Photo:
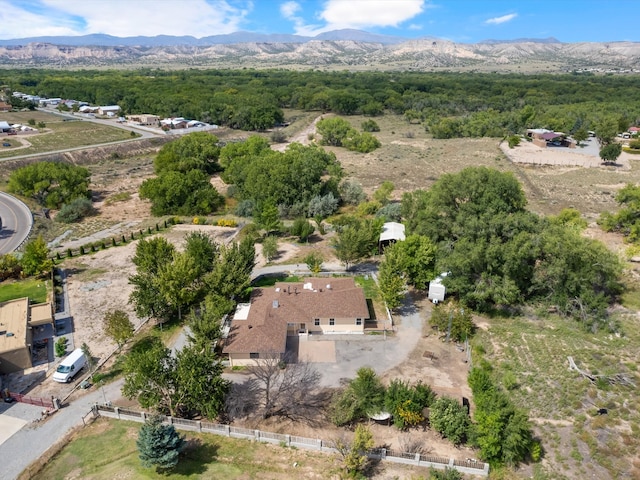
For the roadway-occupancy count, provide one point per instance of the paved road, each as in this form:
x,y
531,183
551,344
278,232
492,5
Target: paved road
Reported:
x,y
17,221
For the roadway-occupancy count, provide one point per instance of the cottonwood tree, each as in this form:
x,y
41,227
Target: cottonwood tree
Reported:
x,y
177,282
189,382
205,325
118,327
286,389
159,445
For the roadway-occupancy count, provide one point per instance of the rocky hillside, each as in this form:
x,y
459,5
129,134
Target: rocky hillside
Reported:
x,y
517,56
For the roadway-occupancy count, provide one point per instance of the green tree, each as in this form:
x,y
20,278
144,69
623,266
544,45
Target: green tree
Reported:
x,y
232,273
178,282
391,277
334,130
449,418
357,239
606,130
61,347
35,259
203,250
314,262
268,218
205,326
302,229
118,327
200,386
452,315
351,193
406,402
178,193
152,254
159,445
580,135
269,247
199,151
50,183
610,153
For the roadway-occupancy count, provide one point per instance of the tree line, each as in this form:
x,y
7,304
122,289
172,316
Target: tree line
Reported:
x,y
449,104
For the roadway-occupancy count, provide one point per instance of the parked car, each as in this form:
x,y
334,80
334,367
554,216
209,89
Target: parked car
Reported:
x,y
70,366
6,144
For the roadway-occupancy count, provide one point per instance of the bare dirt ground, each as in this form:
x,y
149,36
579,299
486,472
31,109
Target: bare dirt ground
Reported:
x,y
529,153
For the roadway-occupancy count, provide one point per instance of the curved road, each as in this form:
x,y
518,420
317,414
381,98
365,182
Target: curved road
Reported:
x,y
17,221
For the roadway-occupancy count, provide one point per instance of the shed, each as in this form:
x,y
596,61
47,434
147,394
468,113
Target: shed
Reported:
x,y
391,232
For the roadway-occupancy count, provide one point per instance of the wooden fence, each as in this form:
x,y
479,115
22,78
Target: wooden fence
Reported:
x,y
468,466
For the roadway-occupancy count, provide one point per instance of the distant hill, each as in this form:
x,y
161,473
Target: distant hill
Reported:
x,y
102,40
341,49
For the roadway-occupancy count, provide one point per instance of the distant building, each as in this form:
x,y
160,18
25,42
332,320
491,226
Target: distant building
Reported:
x,y
144,119
109,109
5,107
17,320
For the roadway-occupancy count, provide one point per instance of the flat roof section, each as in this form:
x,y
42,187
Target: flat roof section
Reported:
x,y
13,322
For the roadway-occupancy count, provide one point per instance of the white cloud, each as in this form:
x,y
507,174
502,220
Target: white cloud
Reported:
x,y
123,18
289,10
502,19
339,14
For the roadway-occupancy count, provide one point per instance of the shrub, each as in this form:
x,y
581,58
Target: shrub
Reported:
x,y
278,136
245,208
199,221
514,141
391,212
227,222
370,126
361,142
9,267
61,347
351,193
323,206
76,210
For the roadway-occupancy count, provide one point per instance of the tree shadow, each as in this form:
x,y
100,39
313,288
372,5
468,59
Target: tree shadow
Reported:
x,y
195,457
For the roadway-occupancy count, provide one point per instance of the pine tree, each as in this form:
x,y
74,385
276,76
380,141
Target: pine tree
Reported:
x,y
159,445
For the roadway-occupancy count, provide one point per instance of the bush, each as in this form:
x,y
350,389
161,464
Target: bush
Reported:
x,y
245,208
351,193
361,142
76,210
199,220
226,222
278,136
61,347
370,126
391,212
323,206
514,141
9,267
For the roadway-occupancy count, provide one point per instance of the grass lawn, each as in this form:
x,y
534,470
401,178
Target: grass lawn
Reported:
x,y
36,290
107,449
59,134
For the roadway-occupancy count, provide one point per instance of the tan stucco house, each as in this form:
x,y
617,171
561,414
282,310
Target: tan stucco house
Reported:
x,y
315,306
17,319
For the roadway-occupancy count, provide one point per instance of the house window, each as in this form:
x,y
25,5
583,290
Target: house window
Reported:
x,y
316,322
332,321
254,355
358,321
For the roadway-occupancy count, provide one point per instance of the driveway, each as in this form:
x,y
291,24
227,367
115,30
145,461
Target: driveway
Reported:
x,y
28,444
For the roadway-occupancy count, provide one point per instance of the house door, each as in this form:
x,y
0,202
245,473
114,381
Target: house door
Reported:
x,y
303,328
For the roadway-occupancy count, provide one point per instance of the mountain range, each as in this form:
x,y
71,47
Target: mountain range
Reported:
x,y
340,49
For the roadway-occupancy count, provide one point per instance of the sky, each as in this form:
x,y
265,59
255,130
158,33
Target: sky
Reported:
x,y
463,21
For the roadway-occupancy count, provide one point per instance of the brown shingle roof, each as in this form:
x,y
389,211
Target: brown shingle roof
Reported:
x,y
265,329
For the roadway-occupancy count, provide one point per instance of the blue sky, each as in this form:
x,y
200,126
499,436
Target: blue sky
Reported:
x,y
465,21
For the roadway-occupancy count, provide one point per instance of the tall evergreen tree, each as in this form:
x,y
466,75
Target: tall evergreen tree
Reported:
x,y
159,445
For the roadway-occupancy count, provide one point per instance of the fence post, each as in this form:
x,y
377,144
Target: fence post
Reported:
x,y
288,437
227,429
486,469
417,458
256,433
451,462
170,420
144,416
383,453
319,444
199,426
116,410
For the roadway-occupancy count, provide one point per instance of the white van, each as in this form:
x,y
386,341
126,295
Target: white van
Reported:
x,y
70,366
